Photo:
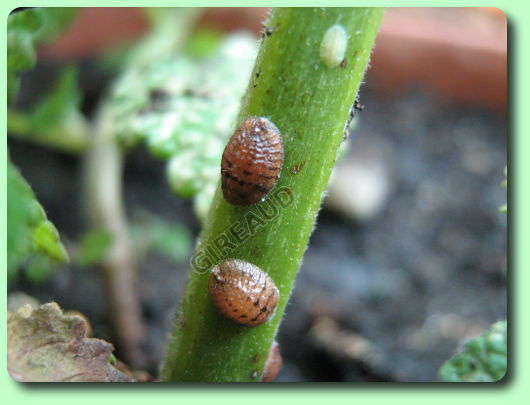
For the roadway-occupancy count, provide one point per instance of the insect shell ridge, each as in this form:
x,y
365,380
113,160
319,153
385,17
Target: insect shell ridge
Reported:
x,y
242,292
252,161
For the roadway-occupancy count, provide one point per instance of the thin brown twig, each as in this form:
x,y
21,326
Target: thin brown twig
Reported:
x,y
103,186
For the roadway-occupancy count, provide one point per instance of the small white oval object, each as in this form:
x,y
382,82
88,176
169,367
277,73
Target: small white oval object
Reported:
x,y
333,46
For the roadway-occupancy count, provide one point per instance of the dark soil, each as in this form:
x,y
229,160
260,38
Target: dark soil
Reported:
x,y
413,283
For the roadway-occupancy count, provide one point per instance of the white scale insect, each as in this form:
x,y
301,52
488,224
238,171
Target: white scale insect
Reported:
x,y
333,46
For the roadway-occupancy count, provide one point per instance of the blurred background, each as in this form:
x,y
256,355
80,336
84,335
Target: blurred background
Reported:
x,y
408,259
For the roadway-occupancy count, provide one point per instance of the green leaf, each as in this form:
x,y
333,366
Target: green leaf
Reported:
x,y
28,230
56,120
56,20
46,240
22,28
483,359
27,28
63,100
21,215
93,247
31,20
184,109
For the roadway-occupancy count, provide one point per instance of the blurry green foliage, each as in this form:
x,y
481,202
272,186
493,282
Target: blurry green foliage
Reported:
x,y
93,247
170,30
184,109
62,103
483,359
46,240
203,43
151,233
29,233
25,29
168,33
179,93
56,119
39,268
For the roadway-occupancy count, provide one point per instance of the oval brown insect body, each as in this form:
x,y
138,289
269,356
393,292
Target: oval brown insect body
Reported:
x,y
242,292
252,162
273,364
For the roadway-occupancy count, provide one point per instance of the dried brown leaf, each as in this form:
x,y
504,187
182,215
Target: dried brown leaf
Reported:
x,y
44,345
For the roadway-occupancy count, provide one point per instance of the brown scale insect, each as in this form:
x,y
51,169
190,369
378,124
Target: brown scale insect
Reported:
x,y
242,292
273,364
252,162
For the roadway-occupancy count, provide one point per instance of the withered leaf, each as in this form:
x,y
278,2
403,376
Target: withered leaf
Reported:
x,y
44,345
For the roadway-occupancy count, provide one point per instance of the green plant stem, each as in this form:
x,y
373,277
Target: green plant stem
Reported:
x,y
310,103
75,141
